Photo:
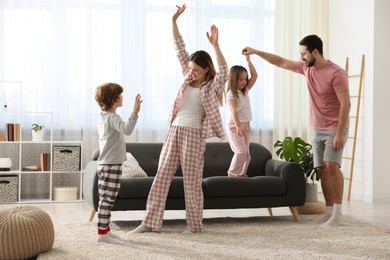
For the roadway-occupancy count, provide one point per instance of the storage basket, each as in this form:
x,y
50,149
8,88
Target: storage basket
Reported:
x,y
8,188
66,158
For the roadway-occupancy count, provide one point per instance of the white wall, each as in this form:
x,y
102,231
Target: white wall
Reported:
x,y
381,104
358,27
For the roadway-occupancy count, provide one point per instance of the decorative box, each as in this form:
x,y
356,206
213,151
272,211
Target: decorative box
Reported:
x,y
64,193
66,158
8,188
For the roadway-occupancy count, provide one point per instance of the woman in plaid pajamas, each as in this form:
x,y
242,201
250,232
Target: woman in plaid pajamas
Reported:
x,y
194,117
111,130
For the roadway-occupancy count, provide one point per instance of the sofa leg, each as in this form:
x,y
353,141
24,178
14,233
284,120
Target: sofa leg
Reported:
x,y
91,215
295,214
270,212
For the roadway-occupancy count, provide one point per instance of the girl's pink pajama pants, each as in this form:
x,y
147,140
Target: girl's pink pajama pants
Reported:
x,y
240,148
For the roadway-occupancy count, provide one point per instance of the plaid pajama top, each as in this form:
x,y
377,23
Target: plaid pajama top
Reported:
x,y
209,93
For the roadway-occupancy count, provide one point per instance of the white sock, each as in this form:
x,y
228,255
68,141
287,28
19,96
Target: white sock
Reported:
x,y
335,218
106,239
326,216
141,229
115,236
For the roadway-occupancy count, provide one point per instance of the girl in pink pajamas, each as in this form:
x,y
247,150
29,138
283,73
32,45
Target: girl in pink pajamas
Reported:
x,y
194,117
239,116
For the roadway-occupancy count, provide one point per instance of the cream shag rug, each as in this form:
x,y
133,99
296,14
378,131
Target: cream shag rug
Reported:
x,y
277,237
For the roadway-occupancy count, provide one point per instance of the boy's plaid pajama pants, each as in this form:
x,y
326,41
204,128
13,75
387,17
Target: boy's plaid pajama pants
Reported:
x,y
109,181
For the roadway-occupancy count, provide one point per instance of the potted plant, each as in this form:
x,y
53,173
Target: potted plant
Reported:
x,y
37,132
299,151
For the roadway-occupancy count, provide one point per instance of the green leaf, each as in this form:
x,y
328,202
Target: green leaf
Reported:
x,y
296,150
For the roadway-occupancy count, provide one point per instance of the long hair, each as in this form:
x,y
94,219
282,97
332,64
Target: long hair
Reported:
x,y
203,59
234,78
107,94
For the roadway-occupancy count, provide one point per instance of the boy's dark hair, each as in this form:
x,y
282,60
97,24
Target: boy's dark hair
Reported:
x,y
312,42
203,59
106,95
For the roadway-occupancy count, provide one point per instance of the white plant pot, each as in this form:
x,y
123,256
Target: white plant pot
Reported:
x,y
312,205
311,192
37,136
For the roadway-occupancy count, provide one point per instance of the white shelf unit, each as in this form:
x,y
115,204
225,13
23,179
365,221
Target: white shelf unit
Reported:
x,y
36,186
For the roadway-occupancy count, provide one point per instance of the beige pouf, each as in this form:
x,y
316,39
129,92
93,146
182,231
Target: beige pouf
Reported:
x,y
25,232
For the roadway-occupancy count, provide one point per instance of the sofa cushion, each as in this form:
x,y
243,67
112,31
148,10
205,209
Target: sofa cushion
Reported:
x,y
139,188
131,168
148,155
221,186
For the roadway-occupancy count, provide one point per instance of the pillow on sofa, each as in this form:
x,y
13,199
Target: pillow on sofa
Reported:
x,y
131,168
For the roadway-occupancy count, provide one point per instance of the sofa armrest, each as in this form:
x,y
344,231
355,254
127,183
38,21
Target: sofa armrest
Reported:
x,y
90,184
292,173
277,168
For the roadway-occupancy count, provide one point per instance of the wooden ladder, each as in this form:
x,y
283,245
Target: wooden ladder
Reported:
x,y
356,117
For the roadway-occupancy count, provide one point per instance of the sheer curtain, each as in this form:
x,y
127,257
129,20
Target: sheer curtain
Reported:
x,y
295,20
62,49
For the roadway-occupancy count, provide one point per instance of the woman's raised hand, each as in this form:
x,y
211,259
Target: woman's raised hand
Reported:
x,y
179,11
213,35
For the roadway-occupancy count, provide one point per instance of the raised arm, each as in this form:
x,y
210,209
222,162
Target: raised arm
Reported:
x,y
175,28
271,58
181,52
253,72
213,39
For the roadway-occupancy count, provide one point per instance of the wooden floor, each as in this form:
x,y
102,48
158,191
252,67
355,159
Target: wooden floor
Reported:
x,y
375,213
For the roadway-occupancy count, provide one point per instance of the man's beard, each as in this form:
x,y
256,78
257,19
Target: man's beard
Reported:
x,y
311,63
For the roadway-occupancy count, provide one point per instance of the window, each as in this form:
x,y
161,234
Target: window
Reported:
x,y
62,49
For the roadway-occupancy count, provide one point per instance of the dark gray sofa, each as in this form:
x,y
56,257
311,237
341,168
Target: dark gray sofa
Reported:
x,y
270,183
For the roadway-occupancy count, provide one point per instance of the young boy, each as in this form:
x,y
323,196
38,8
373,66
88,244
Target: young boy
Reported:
x,y
111,130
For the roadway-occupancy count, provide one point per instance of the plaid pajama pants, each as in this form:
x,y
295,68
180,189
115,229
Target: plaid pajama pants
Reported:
x,y
109,182
183,146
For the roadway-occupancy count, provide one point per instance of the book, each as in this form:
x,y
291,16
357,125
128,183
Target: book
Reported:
x,y
31,168
16,130
43,161
45,164
10,131
2,137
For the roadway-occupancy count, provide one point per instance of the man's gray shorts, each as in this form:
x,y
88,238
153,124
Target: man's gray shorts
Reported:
x,y
322,141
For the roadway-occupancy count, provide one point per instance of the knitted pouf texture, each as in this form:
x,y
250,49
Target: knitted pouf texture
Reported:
x,y
25,232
